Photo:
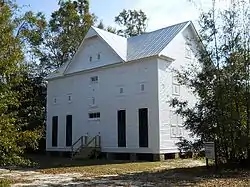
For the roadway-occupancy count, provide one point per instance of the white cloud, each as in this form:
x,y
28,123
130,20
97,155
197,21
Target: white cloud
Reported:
x,y
162,13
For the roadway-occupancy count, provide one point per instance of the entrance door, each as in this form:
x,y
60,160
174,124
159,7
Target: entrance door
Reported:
x,y
68,130
121,121
143,127
54,131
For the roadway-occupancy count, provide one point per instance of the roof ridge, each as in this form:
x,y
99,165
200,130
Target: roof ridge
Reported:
x,y
103,30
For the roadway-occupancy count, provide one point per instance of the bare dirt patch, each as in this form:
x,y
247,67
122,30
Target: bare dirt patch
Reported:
x,y
187,172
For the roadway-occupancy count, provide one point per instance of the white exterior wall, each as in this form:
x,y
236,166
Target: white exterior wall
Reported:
x,y
91,47
171,125
108,101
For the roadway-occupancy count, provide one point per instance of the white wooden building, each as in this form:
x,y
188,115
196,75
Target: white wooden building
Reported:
x,y
120,89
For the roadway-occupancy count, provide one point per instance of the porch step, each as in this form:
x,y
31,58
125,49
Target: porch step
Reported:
x,y
86,152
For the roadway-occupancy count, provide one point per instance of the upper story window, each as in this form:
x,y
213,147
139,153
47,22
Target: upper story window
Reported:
x,y
175,78
121,90
93,101
94,79
55,100
142,87
176,89
90,58
69,98
188,52
98,56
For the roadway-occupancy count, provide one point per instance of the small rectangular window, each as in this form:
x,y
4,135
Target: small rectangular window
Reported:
x,y
98,56
142,87
55,101
175,78
94,79
180,133
69,98
173,131
176,89
121,90
187,52
95,115
90,58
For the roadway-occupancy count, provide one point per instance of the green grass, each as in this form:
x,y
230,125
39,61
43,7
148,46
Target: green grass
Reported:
x,y
5,182
114,168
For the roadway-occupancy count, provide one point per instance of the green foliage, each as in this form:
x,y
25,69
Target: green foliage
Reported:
x,y
221,83
133,22
32,98
63,35
189,146
5,182
13,138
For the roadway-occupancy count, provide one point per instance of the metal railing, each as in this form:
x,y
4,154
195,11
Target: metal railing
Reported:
x,y
95,142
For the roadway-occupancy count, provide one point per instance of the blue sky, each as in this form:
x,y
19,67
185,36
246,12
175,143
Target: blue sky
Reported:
x,y
161,13
105,10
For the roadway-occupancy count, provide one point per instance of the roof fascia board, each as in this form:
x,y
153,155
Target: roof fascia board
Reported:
x,y
101,67
164,57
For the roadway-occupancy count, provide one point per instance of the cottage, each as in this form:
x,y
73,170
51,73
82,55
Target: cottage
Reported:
x,y
116,91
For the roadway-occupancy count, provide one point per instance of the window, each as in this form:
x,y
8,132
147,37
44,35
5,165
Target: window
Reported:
x,y
181,132
98,56
95,115
93,101
121,90
187,51
173,131
142,87
94,79
176,89
175,78
69,98
54,131
90,58
55,101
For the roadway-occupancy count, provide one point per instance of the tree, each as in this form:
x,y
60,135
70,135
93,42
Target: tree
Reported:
x,y
66,29
133,23
13,139
108,28
221,82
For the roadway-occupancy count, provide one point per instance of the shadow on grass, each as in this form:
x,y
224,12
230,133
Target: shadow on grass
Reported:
x,y
48,162
177,177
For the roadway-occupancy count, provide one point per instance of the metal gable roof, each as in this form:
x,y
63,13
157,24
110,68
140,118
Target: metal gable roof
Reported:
x,y
145,45
118,43
150,44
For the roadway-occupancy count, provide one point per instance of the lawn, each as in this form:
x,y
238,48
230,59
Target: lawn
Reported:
x,y
176,172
